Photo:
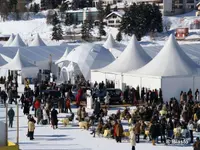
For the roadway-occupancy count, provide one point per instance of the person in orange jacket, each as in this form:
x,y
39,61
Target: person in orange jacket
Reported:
x,y
36,105
68,105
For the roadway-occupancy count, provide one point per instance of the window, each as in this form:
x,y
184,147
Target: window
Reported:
x,y
114,16
111,21
118,21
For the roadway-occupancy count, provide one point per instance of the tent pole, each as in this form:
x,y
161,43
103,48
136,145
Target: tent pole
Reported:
x,y
17,124
6,124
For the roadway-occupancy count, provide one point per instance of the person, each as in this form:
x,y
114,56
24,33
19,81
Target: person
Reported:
x,y
132,138
196,145
119,131
107,99
36,105
31,128
39,115
11,115
153,132
97,107
68,105
137,131
190,128
45,117
54,118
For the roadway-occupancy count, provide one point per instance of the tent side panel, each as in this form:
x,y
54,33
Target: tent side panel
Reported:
x,y
151,82
132,81
98,76
172,87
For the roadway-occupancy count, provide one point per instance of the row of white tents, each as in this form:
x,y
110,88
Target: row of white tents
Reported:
x,y
16,41
171,69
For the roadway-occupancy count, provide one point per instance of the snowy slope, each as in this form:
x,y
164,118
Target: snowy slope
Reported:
x,y
71,138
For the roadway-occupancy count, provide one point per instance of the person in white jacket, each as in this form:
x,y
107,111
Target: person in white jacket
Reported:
x,y
190,128
107,99
132,138
45,116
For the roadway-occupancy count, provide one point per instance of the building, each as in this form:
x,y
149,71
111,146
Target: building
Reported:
x,y
82,14
167,7
114,18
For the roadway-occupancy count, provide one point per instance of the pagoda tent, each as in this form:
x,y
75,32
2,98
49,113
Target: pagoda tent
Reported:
x,y
37,41
113,46
89,56
20,65
10,40
171,70
17,42
132,58
60,61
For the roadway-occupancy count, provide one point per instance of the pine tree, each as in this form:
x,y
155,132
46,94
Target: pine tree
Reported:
x,y
100,18
107,10
90,20
85,31
31,8
13,5
115,9
57,33
55,20
36,8
68,19
43,4
119,36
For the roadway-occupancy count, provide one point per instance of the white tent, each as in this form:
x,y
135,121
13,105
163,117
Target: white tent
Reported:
x,y
10,40
114,47
60,61
90,56
37,41
19,63
17,42
132,58
171,69
7,59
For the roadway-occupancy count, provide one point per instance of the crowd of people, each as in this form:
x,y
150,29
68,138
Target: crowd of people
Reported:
x,y
153,119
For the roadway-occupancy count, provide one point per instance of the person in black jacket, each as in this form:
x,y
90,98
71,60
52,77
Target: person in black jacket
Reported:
x,y
54,118
153,132
163,129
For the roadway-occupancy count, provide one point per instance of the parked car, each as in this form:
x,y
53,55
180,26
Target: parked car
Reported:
x,y
116,95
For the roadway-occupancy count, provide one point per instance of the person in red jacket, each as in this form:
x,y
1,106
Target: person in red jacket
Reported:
x,y
78,97
36,105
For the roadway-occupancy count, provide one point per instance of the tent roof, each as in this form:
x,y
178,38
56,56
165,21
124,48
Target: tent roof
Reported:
x,y
2,61
110,42
64,57
18,63
132,58
170,61
17,42
37,41
10,40
90,56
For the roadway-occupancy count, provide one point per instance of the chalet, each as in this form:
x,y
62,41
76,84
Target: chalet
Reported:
x,y
114,18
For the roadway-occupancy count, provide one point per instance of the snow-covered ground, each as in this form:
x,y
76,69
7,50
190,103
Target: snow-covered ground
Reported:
x,y
71,138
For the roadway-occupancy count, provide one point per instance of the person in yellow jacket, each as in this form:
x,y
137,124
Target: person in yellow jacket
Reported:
x,y
31,128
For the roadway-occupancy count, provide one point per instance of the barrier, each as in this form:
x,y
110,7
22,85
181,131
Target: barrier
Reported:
x,y
11,146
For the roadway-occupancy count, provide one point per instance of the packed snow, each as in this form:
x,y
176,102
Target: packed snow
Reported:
x,y
71,137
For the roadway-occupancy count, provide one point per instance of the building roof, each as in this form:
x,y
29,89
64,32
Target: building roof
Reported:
x,y
170,61
118,13
132,58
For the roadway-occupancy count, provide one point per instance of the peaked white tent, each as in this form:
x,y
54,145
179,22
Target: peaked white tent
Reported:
x,y
17,42
6,58
90,56
114,47
60,61
171,70
21,65
37,41
10,40
132,58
